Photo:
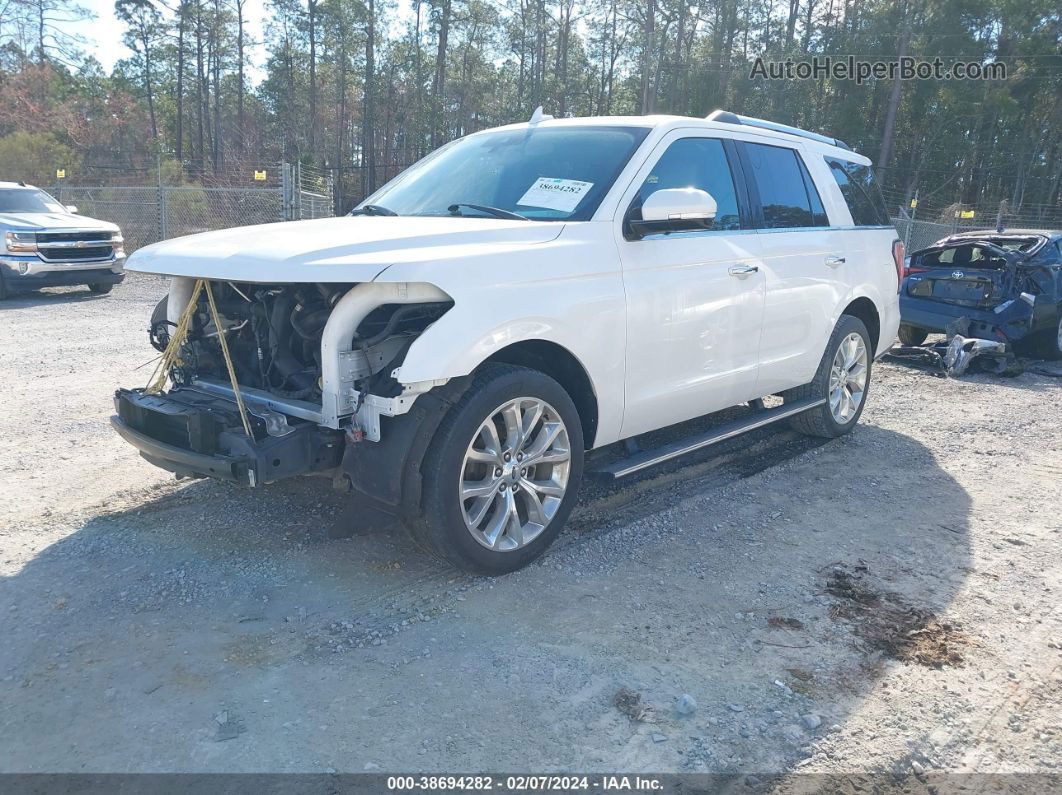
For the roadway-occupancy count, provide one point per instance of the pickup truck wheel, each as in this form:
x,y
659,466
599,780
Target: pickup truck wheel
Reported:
x,y
502,471
843,379
101,289
912,335
3,288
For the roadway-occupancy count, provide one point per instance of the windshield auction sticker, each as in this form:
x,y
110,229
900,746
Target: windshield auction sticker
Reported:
x,y
555,194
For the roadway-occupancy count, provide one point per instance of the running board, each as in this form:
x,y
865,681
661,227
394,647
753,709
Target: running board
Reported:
x,y
648,458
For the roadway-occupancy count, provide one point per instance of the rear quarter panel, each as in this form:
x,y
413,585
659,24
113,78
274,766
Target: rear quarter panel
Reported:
x,y
869,271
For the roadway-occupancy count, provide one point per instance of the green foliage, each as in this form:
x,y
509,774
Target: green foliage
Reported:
x,y
444,68
34,158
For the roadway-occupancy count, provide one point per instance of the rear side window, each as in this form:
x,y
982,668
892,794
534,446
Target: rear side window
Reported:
x,y
695,163
787,194
860,191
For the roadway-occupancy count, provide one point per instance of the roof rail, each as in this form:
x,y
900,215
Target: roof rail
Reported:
x,y
726,117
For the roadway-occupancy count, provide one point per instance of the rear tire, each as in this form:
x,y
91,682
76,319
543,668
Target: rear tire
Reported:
x,y
830,420
101,289
497,493
912,335
3,288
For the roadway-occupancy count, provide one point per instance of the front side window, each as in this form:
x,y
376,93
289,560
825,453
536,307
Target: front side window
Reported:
x,y
542,173
28,200
695,163
861,192
787,194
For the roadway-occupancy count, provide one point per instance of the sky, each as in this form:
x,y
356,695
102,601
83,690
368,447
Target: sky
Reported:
x,y
103,34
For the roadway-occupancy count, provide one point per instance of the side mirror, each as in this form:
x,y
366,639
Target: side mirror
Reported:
x,y
674,210
71,208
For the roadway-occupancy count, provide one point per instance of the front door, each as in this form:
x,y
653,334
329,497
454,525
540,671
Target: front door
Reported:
x,y
694,298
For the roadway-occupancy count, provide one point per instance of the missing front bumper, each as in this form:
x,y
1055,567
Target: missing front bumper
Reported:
x,y
195,434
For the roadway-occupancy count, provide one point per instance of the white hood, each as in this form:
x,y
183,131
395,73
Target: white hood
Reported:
x,y
344,249
53,221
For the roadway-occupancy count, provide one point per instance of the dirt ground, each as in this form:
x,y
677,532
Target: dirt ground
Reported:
x,y
883,603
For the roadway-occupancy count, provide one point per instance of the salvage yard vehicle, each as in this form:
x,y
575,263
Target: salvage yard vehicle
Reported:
x,y
1005,287
452,349
46,244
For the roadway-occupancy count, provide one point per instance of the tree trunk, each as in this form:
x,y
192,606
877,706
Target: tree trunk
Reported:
x,y
894,100
648,47
368,145
240,89
179,132
312,19
438,85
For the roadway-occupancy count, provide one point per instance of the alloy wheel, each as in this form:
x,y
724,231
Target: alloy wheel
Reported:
x,y
515,474
848,378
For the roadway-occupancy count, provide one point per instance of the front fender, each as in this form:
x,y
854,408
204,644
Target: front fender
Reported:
x,y
585,316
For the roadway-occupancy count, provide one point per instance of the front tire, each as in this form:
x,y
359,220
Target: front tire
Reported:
x,y
101,289
502,471
843,379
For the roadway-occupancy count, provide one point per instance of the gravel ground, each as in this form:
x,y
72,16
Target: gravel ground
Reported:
x,y
883,603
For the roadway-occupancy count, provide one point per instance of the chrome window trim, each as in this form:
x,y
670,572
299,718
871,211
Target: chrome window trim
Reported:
x,y
766,231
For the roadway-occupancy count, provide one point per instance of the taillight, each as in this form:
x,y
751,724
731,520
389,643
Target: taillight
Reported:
x,y
897,258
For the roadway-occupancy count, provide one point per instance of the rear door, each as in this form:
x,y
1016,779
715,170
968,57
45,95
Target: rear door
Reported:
x,y
804,262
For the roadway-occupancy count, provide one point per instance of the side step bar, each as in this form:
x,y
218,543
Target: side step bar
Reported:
x,y
648,458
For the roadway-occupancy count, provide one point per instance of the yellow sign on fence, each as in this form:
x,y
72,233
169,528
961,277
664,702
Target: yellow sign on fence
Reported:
x,y
914,203
260,176
60,173
965,214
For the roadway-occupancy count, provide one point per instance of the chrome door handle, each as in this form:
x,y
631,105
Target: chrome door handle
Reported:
x,y
833,260
742,270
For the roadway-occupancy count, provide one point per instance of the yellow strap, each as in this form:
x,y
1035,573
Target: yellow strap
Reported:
x,y
228,361
180,333
171,355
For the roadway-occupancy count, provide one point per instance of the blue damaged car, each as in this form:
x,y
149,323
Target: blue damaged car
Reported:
x,y
1000,286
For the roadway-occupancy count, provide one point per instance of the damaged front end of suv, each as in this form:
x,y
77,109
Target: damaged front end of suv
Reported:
x,y
990,293
305,380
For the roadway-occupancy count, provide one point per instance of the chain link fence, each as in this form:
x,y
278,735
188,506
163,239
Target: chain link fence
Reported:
x,y
147,214
921,223
150,214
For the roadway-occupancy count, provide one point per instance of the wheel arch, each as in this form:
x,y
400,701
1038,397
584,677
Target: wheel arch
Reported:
x,y
865,309
562,366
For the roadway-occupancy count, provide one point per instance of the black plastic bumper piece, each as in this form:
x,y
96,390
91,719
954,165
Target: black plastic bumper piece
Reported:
x,y
186,462
194,434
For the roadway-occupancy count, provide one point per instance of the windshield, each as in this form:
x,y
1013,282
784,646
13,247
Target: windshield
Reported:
x,y
547,174
28,200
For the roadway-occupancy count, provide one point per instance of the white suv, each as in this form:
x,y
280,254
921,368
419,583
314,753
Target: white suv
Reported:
x,y
451,350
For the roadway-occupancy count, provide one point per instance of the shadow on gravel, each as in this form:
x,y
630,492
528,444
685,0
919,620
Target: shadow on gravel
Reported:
x,y
50,296
217,629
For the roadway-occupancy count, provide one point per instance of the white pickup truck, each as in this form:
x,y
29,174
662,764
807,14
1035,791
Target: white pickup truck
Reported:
x,y
46,244
452,349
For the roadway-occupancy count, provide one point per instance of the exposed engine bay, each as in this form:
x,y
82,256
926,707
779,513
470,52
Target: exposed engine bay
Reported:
x,y
303,384
274,337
